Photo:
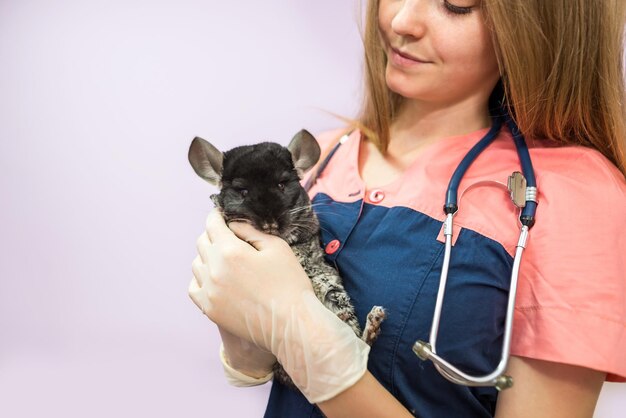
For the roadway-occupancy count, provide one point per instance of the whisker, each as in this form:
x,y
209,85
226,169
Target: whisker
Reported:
x,y
305,207
334,202
294,212
300,209
345,215
304,222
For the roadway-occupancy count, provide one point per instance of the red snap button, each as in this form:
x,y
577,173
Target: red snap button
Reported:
x,y
332,246
377,196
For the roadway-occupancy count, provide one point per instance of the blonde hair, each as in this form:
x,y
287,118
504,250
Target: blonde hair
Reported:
x,y
561,63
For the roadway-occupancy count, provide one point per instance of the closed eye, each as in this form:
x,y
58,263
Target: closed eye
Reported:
x,y
457,10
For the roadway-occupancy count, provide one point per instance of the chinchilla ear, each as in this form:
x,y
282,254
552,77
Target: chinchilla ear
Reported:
x,y
206,160
304,151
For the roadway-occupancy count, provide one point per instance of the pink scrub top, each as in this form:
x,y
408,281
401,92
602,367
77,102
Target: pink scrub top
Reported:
x,y
387,244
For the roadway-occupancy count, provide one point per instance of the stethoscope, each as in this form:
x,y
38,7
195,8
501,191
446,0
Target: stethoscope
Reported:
x,y
523,190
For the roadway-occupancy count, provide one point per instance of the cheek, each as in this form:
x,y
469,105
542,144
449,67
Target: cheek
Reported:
x,y
386,13
289,199
471,67
474,57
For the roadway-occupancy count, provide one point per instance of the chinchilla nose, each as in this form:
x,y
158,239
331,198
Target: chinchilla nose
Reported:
x,y
270,227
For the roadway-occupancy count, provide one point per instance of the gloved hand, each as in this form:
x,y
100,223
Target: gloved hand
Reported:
x,y
236,353
244,363
251,285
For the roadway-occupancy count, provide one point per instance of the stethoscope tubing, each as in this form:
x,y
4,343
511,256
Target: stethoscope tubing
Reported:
x,y
527,216
428,350
451,205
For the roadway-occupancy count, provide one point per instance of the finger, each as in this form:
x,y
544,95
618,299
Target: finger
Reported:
x,y
203,245
194,292
194,288
193,285
216,227
207,236
199,270
251,235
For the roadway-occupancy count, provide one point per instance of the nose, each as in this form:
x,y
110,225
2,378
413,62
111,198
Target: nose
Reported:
x,y
411,18
270,227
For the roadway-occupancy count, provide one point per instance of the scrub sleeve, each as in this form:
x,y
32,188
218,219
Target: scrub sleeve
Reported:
x,y
571,305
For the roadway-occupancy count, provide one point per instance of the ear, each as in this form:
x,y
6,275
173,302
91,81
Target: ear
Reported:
x,y
304,151
206,160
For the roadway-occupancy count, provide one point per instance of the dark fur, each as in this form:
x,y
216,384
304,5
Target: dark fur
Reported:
x,y
260,184
260,169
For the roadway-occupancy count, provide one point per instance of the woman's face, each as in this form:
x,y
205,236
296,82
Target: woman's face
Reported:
x,y
438,51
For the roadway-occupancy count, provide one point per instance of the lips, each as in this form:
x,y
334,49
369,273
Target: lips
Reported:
x,y
408,56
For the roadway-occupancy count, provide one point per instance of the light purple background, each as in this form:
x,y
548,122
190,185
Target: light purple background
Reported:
x,y
100,209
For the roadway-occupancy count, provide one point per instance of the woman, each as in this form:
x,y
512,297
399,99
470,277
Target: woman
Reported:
x,y
432,67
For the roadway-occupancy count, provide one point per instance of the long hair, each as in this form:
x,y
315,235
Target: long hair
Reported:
x,y
561,66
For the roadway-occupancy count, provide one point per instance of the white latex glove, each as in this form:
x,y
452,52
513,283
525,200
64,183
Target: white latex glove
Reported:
x,y
239,356
255,288
244,363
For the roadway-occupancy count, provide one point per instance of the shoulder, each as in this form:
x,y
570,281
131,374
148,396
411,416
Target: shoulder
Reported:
x,y
327,141
579,189
572,172
573,277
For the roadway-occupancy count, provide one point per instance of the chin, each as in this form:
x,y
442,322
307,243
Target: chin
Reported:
x,y
410,86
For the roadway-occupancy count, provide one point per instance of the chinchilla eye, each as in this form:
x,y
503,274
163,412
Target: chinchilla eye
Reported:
x,y
243,192
281,186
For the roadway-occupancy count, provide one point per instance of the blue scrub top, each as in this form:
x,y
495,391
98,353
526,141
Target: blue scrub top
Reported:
x,y
390,257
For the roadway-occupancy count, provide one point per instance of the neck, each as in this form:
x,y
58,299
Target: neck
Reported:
x,y
418,123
